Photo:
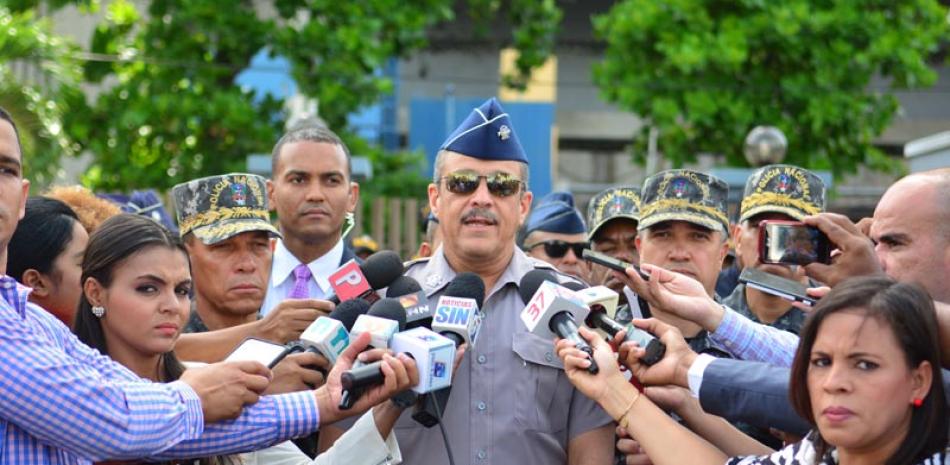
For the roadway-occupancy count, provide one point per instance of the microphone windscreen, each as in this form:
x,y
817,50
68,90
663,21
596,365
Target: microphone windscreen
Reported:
x,y
403,285
389,308
382,268
531,281
467,285
348,311
574,286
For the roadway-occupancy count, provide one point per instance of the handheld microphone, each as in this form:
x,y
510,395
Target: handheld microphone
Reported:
x,y
601,299
355,281
458,317
385,318
457,313
413,300
553,310
403,285
433,354
328,335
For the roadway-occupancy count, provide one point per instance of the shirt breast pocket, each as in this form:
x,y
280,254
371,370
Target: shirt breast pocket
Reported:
x,y
542,391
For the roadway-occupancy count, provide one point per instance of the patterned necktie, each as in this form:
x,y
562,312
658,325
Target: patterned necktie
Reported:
x,y
301,288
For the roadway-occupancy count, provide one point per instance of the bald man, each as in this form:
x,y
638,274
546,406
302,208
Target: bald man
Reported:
x,y
911,231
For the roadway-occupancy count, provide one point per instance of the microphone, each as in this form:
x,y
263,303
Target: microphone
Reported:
x,y
414,301
385,318
432,352
355,281
603,306
328,335
457,316
403,285
552,310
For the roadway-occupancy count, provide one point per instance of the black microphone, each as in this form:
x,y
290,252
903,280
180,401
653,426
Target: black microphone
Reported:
x,y
329,335
414,301
458,317
348,311
403,285
385,318
458,311
599,319
551,309
355,281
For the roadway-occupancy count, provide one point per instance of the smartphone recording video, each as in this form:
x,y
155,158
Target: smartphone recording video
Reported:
x,y
792,243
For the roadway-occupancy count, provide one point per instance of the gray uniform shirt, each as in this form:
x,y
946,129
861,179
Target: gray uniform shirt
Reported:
x,y
511,402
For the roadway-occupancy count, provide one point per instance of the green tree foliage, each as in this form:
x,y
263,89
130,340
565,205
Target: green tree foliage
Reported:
x,y
38,79
171,110
705,72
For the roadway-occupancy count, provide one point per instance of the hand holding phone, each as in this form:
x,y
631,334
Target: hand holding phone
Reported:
x,y
792,243
776,285
611,262
258,350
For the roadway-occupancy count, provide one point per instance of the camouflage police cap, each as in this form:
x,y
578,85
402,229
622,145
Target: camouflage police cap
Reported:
x,y
684,195
612,203
219,207
786,189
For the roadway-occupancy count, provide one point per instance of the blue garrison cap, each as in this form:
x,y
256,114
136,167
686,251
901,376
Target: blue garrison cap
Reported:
x,y
487,134
146,203
555,213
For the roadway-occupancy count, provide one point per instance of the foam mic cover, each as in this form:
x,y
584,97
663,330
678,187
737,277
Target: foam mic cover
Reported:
x,y
467,285
457,314
403,285
382,268
355,281
348,311
531,281
414,301
390,309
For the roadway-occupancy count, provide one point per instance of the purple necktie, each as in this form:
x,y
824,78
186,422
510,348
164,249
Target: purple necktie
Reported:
x,y
301,288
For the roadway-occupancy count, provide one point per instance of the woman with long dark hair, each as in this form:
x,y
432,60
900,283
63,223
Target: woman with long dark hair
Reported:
x,y
136,282
866,375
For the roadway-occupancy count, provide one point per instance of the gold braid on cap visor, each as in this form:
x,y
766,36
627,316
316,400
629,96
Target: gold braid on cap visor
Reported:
x,y
773,199
212,216
670,204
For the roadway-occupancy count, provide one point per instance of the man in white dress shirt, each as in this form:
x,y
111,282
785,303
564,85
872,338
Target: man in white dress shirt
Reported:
x,y
313,193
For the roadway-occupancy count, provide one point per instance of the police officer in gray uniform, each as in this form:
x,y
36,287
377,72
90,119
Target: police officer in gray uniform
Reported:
x,y
511,402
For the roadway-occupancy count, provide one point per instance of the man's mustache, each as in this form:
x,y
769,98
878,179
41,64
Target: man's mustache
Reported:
x,y
481,213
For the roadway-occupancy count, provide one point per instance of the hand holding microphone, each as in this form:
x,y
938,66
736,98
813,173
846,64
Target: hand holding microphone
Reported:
x,y
457,316
672,368
553,310
399,373
355,281
603,305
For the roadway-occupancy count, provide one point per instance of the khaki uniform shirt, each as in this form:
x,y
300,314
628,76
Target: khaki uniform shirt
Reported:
x,y
511,402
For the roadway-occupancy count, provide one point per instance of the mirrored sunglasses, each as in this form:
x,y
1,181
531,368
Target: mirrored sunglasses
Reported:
x,y
465,182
